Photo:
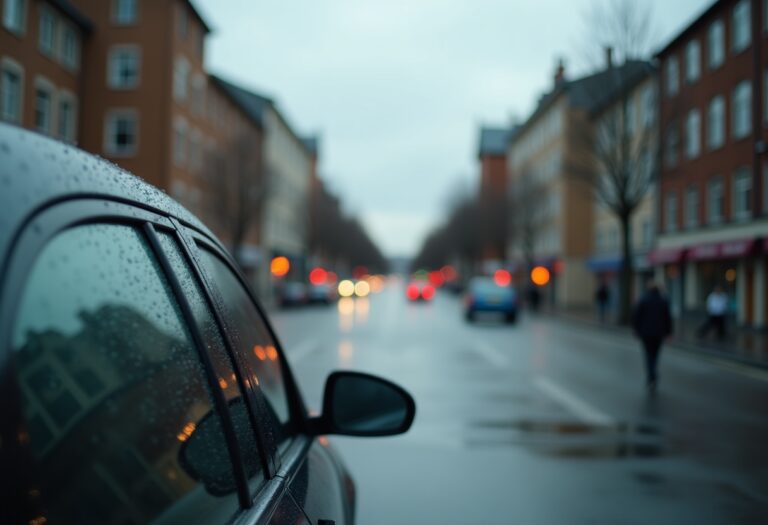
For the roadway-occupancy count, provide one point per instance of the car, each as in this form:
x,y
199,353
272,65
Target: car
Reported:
x,y
140,379
419,290
292,293
321,294
485,294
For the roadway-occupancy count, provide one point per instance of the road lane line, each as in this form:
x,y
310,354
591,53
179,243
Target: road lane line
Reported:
x,y
491,353
572,403
303,349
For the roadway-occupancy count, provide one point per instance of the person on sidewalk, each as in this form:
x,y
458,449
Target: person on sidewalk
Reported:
x,y
602,298
652,323
717,308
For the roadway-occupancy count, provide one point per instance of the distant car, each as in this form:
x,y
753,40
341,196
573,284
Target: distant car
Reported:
x,y
321,294
484,294
292,293
419,290
140,379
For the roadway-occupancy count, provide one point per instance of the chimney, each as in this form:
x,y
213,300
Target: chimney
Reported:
x,y
559,72
608,57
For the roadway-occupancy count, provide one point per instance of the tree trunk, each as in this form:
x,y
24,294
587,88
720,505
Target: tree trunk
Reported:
x,y
626,272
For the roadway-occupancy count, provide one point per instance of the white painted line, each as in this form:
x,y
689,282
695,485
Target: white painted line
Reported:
x,y
490,353
572,403
302,350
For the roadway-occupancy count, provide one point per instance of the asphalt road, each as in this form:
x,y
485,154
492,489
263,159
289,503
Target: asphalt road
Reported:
x,y
540,422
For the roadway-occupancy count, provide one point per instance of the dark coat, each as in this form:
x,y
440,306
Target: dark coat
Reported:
x,y
652,318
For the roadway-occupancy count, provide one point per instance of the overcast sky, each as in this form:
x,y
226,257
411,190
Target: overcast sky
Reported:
x,y
397,89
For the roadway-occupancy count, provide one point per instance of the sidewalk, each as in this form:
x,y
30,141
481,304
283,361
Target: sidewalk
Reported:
x,y
745,346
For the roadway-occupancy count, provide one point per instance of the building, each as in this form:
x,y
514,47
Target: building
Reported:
x,y
492,194
714,176
553,204
41,66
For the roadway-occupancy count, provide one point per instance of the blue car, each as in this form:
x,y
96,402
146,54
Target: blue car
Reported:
x,y
484,294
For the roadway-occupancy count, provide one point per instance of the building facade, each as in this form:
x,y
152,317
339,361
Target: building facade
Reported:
x,y
713,207
493,193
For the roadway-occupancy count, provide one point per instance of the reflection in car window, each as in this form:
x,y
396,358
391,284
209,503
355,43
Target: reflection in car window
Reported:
x,y
113,387
254,340
219,359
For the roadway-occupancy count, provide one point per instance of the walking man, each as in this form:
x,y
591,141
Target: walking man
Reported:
x,y
717,308
602,297
652,322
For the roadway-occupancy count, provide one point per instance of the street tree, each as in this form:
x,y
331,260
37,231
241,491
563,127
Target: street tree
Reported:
x,y
529,213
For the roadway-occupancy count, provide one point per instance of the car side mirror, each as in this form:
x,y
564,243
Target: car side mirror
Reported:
x,y
357,404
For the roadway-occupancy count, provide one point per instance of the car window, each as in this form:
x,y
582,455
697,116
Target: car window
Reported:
x,y
254,342
220,361
113,387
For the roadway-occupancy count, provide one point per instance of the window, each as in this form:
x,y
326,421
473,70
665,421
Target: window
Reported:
x,y
198,93
648,105
692,61
742,194
692,207
670,212
195,150
124,67
252,339
716,123
693,134
11,91
715,201
647,232
121,135
15,15
741,35
125,12
670,147
43,107
741,119
120,414
716,44
183,21
180,142
70,47
47,36
180,78
66,123
673,76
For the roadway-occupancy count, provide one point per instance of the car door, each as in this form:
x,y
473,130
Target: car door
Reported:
x,y
126,406
316,482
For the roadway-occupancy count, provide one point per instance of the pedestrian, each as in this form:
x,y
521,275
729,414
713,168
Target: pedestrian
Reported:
x,y
652,323
602,298
534,298
717,308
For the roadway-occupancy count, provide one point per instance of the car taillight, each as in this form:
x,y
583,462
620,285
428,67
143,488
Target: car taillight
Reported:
x,y
428,292
412,292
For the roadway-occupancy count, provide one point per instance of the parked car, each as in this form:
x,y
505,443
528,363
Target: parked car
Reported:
x,y
292,293
419,290
140,380
322,294
484,294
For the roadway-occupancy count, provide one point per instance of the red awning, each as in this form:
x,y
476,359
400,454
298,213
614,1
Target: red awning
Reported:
x,y
666,255
721,250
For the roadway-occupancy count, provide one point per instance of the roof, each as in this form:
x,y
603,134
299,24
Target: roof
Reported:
x,y
312,144
73,13
703,17
493,141
252,104
199,17
36,171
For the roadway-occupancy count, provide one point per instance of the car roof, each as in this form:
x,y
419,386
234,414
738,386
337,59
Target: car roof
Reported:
x,y
37,171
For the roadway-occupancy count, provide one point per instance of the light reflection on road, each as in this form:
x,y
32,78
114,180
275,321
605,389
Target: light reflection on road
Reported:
x,y
346,352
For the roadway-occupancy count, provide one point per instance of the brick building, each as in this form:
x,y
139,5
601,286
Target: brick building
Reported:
x,y
713,204
492,194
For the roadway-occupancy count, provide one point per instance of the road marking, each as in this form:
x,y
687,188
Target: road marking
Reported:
x,y
491,353
572,403
302,350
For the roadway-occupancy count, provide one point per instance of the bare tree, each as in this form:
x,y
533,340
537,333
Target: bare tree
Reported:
x,y
529,212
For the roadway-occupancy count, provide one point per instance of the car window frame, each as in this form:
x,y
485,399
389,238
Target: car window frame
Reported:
x,y
31,237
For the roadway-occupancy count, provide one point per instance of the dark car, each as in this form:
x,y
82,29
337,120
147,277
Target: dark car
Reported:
x,y
292,293
485,294
419,290
140,380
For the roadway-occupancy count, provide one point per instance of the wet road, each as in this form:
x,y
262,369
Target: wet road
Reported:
x,y
542,422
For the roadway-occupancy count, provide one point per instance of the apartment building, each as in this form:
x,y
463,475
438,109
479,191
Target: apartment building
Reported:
x,y
713,211
492,194
41,66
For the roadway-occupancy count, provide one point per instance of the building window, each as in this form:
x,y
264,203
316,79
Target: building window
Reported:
x,y
670,212
180,78
692,61
670,147
183,21
15,15
649,106
198,94
742,194
673,76
124,67
716,123
43,108
70,47
11,91
647,232
125,12
67,129
693,134
741,30
715,201
692,207
121,134
195,150
180,142
741,121
47,36
716,44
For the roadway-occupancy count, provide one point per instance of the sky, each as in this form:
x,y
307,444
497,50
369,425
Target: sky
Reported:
x,y
398,89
